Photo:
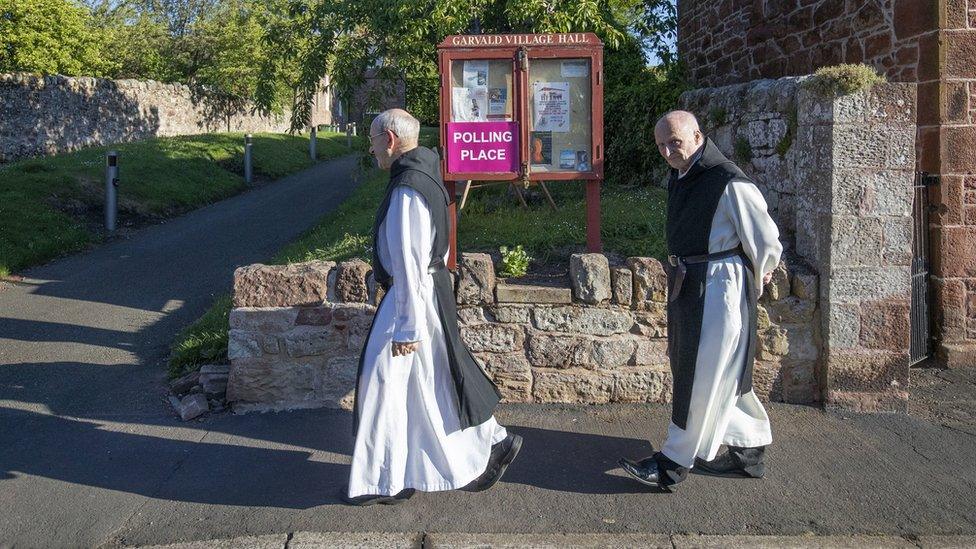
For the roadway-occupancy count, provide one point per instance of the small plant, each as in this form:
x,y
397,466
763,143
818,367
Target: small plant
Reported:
x,y
743,151
844,79
718,116
784,144
515,262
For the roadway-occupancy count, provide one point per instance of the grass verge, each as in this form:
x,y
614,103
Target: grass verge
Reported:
x,y
52,206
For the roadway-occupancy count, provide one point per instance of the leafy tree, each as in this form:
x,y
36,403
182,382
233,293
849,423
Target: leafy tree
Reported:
x,y
50,37
348,37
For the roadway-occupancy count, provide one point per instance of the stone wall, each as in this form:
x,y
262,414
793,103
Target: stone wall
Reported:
x,y
51,114
755,125
731,41
296,333
838,174
947,137
931,42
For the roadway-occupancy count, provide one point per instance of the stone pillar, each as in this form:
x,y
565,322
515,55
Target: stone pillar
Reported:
x,y
854,223
947,131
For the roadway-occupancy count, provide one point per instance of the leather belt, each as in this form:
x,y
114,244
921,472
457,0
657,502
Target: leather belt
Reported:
x,y
681,263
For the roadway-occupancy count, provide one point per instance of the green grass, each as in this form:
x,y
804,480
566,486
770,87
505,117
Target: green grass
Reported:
x,y
47,205
203,341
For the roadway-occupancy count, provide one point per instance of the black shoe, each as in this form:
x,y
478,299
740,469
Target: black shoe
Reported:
x,y
369,499
502,455
735,463
657,471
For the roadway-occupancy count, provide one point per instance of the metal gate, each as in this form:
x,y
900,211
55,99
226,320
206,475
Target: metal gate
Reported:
x,y
921,341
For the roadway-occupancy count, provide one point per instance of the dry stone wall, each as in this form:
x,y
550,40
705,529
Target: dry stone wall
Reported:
x,y
838,175
296,333
52,114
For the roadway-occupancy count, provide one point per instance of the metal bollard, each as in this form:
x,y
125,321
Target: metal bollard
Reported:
x,y
312,138
248,171
111,189
354,129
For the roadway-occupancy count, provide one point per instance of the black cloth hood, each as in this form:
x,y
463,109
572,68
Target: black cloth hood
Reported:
x,y
421,159
710,157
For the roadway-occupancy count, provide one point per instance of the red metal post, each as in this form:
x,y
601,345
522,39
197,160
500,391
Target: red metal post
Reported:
x,y
593,244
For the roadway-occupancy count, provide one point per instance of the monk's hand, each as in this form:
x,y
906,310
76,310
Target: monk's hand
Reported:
x,y
405,348
767,277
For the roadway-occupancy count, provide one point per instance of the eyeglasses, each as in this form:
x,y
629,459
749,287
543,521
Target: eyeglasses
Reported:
x,y
381,133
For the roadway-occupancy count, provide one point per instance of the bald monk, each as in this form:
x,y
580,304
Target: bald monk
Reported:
x,y
724,247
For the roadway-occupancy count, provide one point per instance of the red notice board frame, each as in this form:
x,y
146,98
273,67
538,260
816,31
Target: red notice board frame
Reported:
x,y
521,49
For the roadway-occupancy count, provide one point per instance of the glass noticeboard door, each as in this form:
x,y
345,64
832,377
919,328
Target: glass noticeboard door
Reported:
x,y
560,121
481,90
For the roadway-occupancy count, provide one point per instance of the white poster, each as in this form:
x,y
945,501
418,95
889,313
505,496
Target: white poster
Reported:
x,y
475,73
575,68
551,101
469,104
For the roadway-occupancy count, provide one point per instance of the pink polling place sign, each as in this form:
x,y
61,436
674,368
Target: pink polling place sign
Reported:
x,y
482,147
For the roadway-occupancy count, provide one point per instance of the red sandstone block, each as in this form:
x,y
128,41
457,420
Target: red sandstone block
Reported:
x,y
877,45
928,149
959,146
867,370
955,252
960,51
956,102
913,17
928,57
958,355
955,14
885,325
928,104
853,51
948,307
907,55
949,201
827,11
970,216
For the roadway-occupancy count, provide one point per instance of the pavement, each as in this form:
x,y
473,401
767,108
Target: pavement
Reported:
x,y
91,454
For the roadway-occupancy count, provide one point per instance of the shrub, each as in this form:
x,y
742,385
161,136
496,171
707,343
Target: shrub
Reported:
x,y
844,79
635,97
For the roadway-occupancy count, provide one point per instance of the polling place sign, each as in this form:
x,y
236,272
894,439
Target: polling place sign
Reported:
x,y
482,147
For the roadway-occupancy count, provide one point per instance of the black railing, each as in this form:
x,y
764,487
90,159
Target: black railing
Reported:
x,y
921,340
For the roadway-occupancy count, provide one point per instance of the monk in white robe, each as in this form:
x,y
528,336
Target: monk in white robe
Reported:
x,y
723,246
423,407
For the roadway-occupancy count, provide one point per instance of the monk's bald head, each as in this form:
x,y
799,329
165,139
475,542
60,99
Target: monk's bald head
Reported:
x,y
678,138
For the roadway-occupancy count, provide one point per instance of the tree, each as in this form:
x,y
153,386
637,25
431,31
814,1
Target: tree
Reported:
x,y
350,36
50,37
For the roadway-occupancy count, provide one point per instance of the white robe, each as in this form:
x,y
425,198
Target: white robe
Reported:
x,y
716,415
409,432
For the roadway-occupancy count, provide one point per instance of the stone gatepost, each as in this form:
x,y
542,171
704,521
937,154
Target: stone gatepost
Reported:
x,y
854,223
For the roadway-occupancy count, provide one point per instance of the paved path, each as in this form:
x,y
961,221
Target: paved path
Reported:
x,y
90,453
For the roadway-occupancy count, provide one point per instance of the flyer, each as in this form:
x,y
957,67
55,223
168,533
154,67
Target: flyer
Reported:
x,y
475,73
469,104
497,101
583,161
576,68
551,100
567,159
541,148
